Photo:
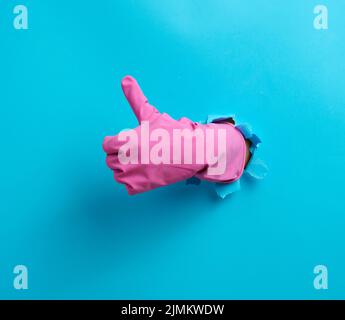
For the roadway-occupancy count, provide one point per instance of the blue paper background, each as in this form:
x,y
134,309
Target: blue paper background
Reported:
x,y
77,231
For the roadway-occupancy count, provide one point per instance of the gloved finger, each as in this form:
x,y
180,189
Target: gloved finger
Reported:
x,y
112,161
137,100
111,145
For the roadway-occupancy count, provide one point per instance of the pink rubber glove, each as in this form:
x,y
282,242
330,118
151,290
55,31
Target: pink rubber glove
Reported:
x,y
145,175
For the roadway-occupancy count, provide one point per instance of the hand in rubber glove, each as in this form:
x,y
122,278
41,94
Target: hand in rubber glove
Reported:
x,y
145,175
